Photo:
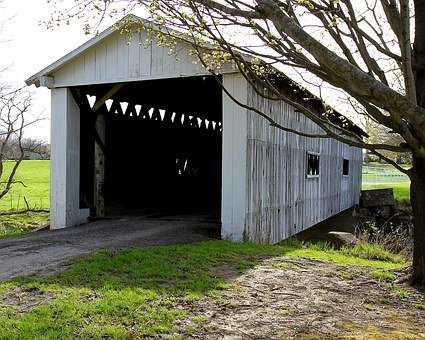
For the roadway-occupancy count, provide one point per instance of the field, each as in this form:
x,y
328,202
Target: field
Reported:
x,y
378,176
35,175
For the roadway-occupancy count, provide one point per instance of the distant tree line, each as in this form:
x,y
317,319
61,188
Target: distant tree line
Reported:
x,y
31,149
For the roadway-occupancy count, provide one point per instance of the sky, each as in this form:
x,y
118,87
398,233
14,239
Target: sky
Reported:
x,y
28,46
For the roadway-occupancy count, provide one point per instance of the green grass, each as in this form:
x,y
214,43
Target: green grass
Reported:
x,y
401,293
131,293
401,190
372,251
18,224
383,275
380,176
347,257
420,306
136,292
36,177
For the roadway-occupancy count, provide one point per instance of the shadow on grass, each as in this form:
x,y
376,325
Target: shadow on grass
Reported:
x,y
138,292
132,293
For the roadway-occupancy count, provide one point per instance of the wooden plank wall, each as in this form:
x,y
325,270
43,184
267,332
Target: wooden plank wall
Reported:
x,y
118,58
234,153
281,200
65,162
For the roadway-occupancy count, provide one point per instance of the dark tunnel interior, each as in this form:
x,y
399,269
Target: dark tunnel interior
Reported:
x,y
162,147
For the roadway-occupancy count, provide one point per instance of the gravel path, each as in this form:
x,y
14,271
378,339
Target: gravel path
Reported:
x,y
48,252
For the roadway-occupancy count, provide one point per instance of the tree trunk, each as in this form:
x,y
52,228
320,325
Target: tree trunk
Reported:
x,y
417,198
417,186
419,51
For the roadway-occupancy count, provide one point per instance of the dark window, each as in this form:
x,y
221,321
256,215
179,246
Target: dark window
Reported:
x,y
313,164
345,167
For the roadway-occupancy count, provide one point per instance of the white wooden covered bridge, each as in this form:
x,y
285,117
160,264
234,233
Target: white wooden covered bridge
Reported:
x,y
135,129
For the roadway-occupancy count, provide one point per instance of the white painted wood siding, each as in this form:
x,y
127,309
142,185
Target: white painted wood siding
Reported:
x,y
281,201
65,162
120,59
234,167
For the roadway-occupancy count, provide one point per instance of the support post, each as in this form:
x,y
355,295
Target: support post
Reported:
x,y
65,162
234,162
99,166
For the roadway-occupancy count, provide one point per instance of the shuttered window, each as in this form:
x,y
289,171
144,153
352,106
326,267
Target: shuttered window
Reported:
x,y
345,167
313,164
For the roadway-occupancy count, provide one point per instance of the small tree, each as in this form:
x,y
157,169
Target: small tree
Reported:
x,y
362,48
13,109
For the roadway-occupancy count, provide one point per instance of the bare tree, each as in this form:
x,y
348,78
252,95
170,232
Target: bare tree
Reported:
x,y
364,48
13,109
35,149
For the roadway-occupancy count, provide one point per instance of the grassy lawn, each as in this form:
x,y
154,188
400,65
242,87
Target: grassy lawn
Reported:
x,y
136,292
18,224
379,176
401,190
36,177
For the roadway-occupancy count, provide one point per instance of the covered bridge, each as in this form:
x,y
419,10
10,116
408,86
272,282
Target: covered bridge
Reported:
x,y
135,129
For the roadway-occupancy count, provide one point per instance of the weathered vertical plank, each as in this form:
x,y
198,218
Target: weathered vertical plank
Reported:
x,y
145,54
234,166
90,67
123,50
101,64
134,57
112,57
